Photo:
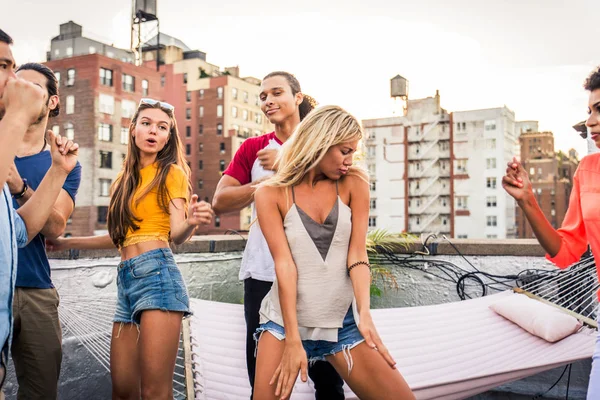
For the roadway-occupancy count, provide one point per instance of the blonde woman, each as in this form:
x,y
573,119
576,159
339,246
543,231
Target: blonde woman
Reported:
x,y
317,207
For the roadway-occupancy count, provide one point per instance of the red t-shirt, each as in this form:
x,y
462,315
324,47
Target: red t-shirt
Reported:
x,y
243,161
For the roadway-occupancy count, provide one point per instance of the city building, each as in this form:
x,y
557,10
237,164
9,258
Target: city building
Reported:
x,y
100,88
437,172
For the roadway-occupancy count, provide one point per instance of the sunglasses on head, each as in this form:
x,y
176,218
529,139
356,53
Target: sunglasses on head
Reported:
x,y
152,102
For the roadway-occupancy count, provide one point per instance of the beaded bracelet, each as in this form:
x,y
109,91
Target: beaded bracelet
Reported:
x,y
357,264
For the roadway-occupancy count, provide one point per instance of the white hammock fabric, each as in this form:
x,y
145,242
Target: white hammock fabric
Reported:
x,y
447,351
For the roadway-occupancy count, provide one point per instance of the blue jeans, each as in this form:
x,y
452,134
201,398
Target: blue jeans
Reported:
x,y
316,350
150,281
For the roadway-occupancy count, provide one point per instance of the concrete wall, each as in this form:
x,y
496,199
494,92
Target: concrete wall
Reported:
x,y
213,276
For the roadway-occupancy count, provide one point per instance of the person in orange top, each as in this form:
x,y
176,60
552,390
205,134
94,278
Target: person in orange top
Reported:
x,y
148,209
581,225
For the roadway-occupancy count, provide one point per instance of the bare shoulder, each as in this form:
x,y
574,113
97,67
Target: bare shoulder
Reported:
x,y
355,183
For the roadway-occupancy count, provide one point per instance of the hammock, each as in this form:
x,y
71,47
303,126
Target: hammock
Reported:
x,y
446,351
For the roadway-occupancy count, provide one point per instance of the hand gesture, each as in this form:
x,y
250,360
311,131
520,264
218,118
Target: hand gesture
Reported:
x,y
516,182
64,151
267,158
366,327
14,180
293,360
23,97
199,212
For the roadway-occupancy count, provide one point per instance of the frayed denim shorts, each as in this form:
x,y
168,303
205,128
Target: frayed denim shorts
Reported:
x,y
150,281
316,350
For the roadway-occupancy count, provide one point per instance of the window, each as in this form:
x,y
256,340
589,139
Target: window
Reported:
x,y
372,169
105,132
110,54
56,129
539,171
462,237
221,165
461,202
220,92
234,113
490,144
70,77
491,201
372,222
217,222
200,184
107,104
69,51
201,111
102,214
163,80
491,236
220,110
256,100
124,135
373,204
201,165
200,129
258,118
185,80
219,129
491,183
461,166
128,108
373,185
128,83
234,93
70,104
532,171
201,93
57,75
222,147
490,125
490,163
57,52
188,149
188,131
106,77
188,96
188,113
145,87
105,159
69,131
200,147
371,151
245,97
491,220
245,115
105,187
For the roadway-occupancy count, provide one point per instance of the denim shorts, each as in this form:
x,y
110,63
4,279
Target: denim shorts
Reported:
x,y
150,281
316,350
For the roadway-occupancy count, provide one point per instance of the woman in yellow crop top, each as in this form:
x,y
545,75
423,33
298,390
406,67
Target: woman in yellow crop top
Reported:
x,y
148,209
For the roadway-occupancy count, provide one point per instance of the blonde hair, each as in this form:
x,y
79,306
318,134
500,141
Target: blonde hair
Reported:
x,y
323,128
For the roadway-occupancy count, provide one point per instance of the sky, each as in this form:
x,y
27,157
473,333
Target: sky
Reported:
x,y
529,55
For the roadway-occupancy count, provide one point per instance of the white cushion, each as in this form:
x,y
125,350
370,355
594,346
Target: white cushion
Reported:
x,y
537,318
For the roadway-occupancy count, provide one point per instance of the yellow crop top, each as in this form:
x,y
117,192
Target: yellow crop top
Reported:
x,y
155,224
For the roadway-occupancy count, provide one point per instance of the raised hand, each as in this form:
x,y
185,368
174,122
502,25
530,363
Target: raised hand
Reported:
x,y
516,182
24,98
267,158
199,212
64,151
366,327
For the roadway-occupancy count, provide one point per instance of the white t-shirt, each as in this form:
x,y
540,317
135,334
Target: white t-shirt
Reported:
x,y
257,262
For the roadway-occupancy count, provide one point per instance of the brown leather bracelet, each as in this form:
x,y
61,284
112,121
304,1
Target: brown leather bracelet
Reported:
x,y
357,264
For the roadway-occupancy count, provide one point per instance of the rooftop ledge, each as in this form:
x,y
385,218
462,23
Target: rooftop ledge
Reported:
x,y
235,243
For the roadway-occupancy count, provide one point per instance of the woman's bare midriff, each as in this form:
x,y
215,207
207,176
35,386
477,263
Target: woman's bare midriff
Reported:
x,y
135,250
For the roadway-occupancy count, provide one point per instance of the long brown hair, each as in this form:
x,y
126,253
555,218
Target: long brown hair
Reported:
x,y
120,215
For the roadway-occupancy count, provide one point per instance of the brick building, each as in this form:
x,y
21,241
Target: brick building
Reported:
x,y
100,89
551,174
